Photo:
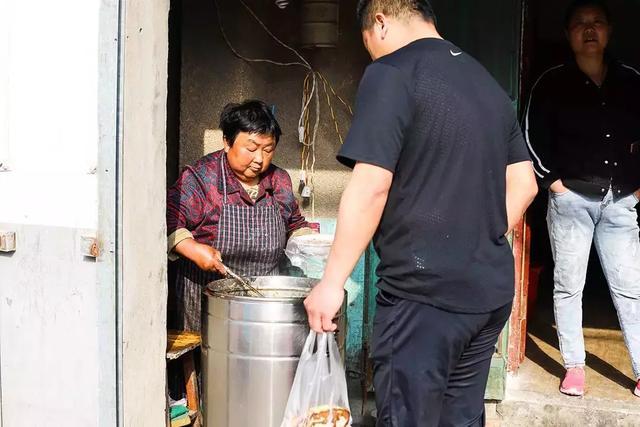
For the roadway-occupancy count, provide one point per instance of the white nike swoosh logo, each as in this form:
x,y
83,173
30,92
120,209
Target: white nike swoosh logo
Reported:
x,y
455,53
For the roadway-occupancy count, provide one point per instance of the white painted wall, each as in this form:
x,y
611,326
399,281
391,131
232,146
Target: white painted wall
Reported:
x,y
49,331
82,341
50,75
57,311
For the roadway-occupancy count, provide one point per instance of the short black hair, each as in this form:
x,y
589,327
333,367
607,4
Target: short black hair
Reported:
x,y
250,116
579,4
366,10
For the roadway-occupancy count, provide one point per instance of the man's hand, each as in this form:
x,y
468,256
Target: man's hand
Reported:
x,y
322,305
205,257
558,187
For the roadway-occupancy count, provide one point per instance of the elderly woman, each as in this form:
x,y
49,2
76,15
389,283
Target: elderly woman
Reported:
x,y
232,206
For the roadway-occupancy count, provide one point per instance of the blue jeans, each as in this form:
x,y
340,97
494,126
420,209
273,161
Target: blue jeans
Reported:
x,y
574,222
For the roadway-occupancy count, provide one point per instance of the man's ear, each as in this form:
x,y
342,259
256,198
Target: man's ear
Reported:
x,y
381,23
227,147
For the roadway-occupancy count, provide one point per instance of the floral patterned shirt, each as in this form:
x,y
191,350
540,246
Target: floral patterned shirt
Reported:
x,y
194,202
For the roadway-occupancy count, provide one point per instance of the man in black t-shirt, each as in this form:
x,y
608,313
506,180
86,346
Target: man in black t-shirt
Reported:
x,y
441,174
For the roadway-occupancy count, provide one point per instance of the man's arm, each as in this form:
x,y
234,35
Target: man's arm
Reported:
x,y
361,208
521,190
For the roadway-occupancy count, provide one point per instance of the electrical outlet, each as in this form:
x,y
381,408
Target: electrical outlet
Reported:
x,y
7,241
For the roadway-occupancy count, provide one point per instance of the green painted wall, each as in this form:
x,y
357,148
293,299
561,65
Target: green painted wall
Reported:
x,y
490,31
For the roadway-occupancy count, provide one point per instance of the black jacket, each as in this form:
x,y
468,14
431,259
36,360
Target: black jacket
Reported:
x,y
585,135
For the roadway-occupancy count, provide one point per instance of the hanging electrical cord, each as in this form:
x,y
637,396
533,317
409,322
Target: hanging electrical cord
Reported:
x,y
311,91
264,27
325,83
347,106
304,64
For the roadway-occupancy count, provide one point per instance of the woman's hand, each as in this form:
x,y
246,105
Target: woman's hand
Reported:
x,y
209,259
558,187
205,257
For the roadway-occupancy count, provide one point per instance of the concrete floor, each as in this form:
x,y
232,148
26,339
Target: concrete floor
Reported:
x,y
532,394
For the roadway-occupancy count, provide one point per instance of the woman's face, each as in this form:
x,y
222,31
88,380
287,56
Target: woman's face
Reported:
x,y
250,155
589,31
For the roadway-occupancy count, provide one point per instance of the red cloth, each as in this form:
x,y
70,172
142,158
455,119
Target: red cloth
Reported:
x,y
194,202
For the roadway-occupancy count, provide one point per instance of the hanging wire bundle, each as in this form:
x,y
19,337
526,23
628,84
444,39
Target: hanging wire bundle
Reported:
x,y
307,133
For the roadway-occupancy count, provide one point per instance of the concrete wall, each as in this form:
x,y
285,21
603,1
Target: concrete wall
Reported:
x,y
57,319
83,160
212,76
143,241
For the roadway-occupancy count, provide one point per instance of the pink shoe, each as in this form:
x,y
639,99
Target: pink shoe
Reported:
x,y
573,383
637,389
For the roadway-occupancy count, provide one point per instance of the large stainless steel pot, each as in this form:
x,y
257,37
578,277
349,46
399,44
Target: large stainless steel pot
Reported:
x,y
250,351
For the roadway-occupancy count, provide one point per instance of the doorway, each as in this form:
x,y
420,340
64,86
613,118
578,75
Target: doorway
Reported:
x,y
204,74
609,374
206,39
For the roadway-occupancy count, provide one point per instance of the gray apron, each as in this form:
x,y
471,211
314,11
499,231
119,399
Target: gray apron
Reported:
x,y
251,240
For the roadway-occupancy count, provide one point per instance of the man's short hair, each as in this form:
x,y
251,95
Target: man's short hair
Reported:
x,y
579,4
367,9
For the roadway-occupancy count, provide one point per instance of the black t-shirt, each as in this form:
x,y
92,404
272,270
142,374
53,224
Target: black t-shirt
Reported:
x,y
436,118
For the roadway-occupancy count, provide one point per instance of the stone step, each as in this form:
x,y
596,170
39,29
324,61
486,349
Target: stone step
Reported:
x,y
534,409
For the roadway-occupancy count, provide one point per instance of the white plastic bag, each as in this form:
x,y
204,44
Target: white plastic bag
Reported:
x,y
318,396
309,253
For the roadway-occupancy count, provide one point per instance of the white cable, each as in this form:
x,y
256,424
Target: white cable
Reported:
x,y
304,62
236,53
315,125
286,46
313,151
273,36
305,103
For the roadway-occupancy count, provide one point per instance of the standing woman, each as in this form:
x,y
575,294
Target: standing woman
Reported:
x,y
582,128
232,206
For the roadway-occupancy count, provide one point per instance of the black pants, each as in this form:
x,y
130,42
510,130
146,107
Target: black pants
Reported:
x,y
431,366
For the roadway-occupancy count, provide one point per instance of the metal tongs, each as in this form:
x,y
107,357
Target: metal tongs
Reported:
x,y
244,282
